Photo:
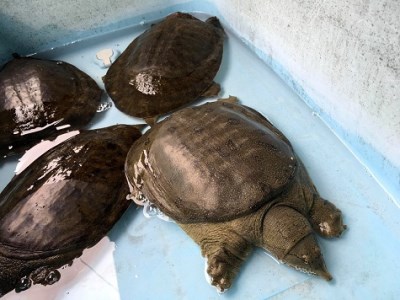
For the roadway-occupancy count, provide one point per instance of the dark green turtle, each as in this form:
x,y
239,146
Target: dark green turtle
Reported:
x,y
232,182
171,64
64,202
39,98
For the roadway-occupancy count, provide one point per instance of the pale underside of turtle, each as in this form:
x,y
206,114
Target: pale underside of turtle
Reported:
x,y
61,204
232,182
169,65
39,98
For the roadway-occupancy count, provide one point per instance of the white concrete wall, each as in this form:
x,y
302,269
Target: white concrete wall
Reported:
x,y
27,26
344,57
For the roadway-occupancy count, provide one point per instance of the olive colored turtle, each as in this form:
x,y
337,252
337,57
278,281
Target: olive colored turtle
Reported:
x,y
65,201
39,98
232,182
172,63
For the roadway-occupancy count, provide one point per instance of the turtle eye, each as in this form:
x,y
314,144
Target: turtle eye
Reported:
x,y
53,277
23,284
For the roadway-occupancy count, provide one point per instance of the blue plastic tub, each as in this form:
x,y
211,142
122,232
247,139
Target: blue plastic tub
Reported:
x,y
144,258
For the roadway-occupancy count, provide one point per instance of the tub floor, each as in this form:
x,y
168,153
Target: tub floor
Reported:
x,y
148,258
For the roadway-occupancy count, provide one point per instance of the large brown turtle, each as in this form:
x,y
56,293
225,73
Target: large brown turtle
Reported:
x,y
62,203
39,98
232,182
171,64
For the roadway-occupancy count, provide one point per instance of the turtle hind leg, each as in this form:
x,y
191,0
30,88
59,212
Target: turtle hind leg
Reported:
x,y
288,236
325,218
224,250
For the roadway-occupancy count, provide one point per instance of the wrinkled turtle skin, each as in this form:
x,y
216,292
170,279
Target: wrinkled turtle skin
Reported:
x,y
37,96
64,202
171,64
232,181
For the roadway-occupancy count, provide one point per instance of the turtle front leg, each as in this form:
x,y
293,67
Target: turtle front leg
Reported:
x,y
45,276
223,248
325,218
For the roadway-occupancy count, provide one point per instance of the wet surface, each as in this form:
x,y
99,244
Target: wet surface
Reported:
x,y
42,98
171,64
203,164
63,202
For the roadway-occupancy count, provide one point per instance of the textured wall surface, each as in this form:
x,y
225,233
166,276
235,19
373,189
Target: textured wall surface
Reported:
x,y
344,57
31,26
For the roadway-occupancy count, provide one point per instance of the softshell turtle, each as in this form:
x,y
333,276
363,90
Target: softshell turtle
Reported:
x,y
171,64
62,203
232,181
39,97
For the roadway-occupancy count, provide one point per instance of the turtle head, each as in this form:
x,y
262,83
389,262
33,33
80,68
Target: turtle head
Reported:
x,y
306,256
288,236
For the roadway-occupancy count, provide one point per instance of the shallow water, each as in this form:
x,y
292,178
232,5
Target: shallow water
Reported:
x,y
149,258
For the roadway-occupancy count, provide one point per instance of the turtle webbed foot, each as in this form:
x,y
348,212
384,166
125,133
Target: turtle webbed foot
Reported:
x,y
45,276
326,219
221,269
224,249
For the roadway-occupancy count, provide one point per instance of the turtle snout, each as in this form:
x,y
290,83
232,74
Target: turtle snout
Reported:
x,y
306,256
